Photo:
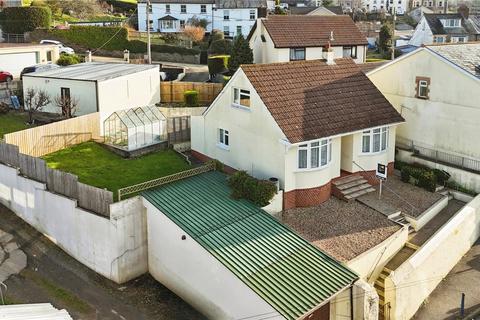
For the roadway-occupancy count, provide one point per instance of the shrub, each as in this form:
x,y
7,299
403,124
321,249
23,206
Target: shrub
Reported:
x,y
216,35
68,59
441,176
216,64
25,19
427,181
191,98
405,174
194,33
455,186
222,46
245,186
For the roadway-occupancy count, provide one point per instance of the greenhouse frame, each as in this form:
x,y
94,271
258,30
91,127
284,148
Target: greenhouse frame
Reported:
x,y
135,128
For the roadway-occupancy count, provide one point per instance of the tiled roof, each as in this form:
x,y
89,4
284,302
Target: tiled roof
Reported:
x,y
285,270
313,31
465,55
310,99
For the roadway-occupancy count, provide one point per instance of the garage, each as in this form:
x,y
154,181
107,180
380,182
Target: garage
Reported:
x,y
16,56
15,62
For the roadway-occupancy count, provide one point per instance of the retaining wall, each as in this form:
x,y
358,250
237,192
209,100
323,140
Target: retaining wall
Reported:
x,y
411,283
115,247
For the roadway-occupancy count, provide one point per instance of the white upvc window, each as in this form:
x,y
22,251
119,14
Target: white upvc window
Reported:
x,y
315,154
183,8
223,138
252,15
203,8
226,15
375,140
241,97
167,8
226,31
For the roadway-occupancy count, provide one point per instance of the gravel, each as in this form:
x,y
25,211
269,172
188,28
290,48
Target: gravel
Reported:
x,y
414,200
342,229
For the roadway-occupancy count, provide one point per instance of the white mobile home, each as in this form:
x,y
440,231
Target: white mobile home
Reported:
x,y
99,87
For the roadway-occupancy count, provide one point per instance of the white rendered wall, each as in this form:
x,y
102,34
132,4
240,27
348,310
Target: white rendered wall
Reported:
x,y
422,35
433,261
83,91
190,271
115,248
13,59
449,119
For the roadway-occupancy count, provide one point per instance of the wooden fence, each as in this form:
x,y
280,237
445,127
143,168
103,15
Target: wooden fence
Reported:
x,y
56,136
88,197
171,91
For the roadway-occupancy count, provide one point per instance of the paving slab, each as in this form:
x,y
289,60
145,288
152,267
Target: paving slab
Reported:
x,y
11,246
5,238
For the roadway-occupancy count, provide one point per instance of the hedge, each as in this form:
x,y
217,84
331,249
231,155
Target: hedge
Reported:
x,y
68,59
191,98
25,19
110,38
424,177
247,187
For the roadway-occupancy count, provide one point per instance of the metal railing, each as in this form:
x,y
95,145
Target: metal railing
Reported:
x,y
13,37
164,180
437,156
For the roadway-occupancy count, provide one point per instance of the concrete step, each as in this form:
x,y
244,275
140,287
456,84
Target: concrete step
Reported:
x,y
359,193
347,179
356,188
352,184
379,284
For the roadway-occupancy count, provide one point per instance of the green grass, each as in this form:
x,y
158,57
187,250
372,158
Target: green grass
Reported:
x,y
68,298
96,166
12,121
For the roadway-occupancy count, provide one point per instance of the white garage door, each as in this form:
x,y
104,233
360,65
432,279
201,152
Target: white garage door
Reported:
x,y
15,62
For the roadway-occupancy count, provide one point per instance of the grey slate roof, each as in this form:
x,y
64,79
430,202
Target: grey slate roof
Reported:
x,y
167,18
93,71
238,4
465,55
436,26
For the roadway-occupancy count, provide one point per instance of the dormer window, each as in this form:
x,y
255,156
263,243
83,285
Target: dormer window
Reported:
x,y
451,23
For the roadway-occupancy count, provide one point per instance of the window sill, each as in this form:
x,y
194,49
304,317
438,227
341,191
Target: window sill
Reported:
x,y
373,153
239,106
223,146
312,169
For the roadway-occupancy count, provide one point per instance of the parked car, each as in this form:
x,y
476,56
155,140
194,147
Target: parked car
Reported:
x,y
38,67
5,76
62,48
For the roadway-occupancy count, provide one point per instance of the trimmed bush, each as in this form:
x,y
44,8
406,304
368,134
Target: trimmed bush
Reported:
x,y
222,46
191,98
247,187
427,181
68,59
217,64
25,19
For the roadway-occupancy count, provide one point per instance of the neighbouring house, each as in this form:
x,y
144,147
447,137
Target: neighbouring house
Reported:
x,y
440,123
437,6
16,56
317,11
289,38
418,12
305,123
99,87
229,16
400,6
10,3
231,260
445,28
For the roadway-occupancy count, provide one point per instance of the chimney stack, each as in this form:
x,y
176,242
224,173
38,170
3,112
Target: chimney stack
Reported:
x,y
329,54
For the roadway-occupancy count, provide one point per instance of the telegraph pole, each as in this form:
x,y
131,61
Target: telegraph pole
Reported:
x,y
394,13
149,42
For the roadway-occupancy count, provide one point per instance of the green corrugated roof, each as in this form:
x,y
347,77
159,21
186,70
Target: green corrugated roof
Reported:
x,y
289,273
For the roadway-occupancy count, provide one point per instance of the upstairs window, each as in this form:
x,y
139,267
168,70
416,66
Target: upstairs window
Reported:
x,y
223,138
183,8
167,8
203,8
350,52
241,97
422,88
315,155
252,15
297,54
226,31
375,140
226,15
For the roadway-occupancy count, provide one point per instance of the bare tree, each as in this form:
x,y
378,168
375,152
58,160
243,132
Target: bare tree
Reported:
x,y
68,105
35,101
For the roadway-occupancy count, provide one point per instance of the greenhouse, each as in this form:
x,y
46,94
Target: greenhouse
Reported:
x,y
135,128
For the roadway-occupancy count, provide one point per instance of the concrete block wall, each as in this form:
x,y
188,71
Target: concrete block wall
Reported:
x,y
115,248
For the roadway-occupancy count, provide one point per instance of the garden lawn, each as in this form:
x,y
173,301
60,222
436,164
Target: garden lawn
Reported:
x,y
99,167
12,121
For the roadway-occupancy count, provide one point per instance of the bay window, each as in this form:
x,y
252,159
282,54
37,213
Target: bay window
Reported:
x,y
316,154
375,140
